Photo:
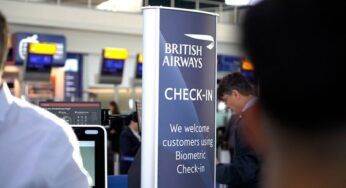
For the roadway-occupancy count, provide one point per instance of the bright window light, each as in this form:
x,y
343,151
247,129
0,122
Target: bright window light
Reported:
x,y
121,5
131,104
221,106
71,65
241,2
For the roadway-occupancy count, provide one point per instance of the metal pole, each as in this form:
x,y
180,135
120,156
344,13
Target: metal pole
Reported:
x,y
235,20
172,3
58,2
197,4
220,13
146,2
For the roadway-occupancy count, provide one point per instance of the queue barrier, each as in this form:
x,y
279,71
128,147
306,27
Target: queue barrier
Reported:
x,y
119,181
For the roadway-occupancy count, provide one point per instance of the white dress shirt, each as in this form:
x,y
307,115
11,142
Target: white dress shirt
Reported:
x,y
37,149
136,134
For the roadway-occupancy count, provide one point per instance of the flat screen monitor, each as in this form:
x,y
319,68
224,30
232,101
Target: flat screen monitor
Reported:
x,y
76,113
139,70
113,67
39,63
92,145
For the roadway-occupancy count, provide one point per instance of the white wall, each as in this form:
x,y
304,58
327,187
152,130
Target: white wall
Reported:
x,y
87,31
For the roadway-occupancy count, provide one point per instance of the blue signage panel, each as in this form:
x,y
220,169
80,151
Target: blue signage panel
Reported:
x,y
73,82
186,106
23,39
229,63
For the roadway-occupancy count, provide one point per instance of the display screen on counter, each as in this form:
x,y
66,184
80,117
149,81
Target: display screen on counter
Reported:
x,y
75,113
39,63
87,151
112,67
139,70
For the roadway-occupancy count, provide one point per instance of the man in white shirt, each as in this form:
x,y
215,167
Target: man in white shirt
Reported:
x,y
37,148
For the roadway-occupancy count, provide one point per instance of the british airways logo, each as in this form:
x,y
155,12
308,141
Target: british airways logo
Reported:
x,y
187,55
204,38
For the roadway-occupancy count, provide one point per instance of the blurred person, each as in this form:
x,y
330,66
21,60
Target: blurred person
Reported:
x,y
298,48
130,142
112,138
114,131
37,148
113,107
236,91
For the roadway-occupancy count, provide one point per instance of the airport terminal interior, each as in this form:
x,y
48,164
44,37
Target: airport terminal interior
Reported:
x,y
82,60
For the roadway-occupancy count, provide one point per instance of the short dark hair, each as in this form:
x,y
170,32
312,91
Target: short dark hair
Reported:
x,y
115,109
298,48
134,117
3,40
234,81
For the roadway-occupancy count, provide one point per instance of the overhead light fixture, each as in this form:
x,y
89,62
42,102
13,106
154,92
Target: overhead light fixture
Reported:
x,y
241,2
121,5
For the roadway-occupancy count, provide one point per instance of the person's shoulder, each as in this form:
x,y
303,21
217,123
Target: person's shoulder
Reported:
x,y
126,131
35,116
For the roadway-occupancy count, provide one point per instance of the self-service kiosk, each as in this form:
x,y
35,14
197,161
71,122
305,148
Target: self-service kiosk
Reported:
x,y
36,81
32,66
112,65
39,61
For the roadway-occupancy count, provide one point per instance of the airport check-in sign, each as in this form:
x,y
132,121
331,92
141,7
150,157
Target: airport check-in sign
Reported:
x,y
185,121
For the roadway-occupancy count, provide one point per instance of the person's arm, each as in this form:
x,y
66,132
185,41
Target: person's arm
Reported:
x,y
127,147
244,169
61,163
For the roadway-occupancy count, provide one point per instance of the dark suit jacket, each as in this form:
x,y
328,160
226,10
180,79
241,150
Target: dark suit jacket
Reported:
x,y
227,138
135,172
244,169
129,145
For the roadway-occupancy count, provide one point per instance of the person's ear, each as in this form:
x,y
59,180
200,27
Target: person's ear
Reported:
x,y
235,94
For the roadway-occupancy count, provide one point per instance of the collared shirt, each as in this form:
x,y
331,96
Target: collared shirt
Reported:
x,y
249,103
135,133
37,148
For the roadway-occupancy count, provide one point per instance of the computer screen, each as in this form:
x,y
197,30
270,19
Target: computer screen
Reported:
x,y
87,150
39,63
139,70
92,144
112,67
77,113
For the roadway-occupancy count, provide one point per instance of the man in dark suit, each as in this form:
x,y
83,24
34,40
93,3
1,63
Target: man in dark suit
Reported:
x,y
130,141
236,91
227,137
